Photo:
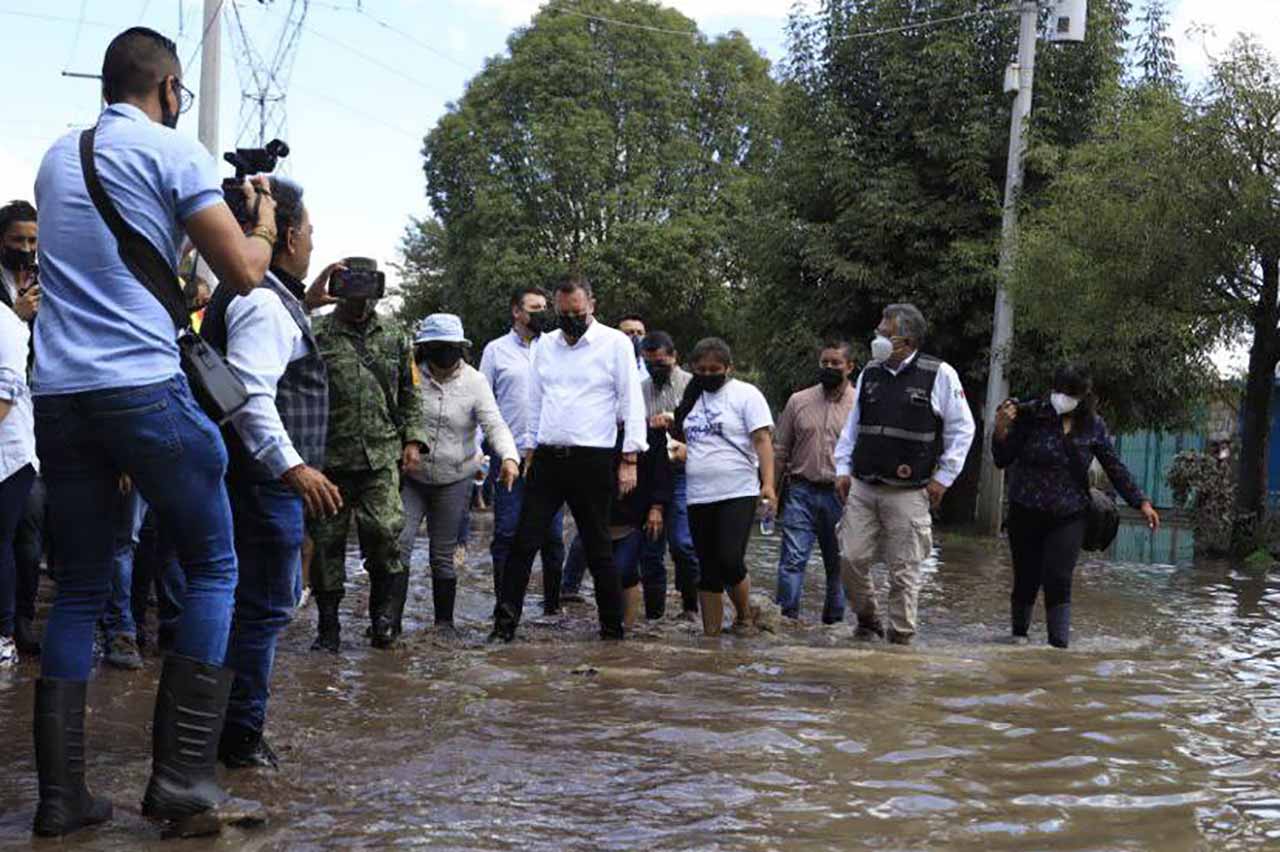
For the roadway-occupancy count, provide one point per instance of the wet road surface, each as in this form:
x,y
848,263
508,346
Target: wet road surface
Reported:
x,y
1157,730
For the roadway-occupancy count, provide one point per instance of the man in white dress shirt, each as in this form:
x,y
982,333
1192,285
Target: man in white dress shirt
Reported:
x,y
583,383
276,447
902,447
505,364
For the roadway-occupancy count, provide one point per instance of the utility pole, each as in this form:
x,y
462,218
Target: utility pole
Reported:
x,y
210,74
991,488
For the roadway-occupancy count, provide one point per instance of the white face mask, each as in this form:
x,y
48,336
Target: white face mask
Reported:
x,y
1062,403
881,348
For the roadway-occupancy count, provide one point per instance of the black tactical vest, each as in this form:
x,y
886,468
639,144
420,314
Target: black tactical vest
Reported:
x,y
899,436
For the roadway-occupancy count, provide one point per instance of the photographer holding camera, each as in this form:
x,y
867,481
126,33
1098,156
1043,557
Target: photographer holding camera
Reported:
x,y
276,444
376,425
111,398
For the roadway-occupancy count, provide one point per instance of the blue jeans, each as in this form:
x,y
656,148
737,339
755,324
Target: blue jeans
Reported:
x,y
676,525
626,555
13,499
810,515
175,457
269,530
118,620
506,516
155,565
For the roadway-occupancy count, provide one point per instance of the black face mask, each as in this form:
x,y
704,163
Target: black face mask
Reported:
x,y
711,383
573,326
635,344
444,357
830,377
16,259
660,373
167,118
540,322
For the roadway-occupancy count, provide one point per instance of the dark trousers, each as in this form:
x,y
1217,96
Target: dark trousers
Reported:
x,y
13,498
584,478
720,534
1045,548
28,548
155,567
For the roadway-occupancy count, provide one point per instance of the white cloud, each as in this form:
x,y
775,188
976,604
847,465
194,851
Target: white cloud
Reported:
x,y
1204,28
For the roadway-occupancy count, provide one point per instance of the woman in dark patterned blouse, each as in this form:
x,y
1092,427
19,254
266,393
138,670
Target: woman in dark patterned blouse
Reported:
x,y
1048,497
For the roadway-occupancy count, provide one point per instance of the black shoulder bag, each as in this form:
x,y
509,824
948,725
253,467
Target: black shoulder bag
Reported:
x,y
1102,518
213,383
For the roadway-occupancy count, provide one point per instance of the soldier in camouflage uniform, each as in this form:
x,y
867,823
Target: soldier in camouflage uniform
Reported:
x,y
375,426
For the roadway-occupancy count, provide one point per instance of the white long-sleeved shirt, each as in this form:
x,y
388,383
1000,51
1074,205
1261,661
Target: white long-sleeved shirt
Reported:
x,y
17,429
579,394
262,341
505,365
948,403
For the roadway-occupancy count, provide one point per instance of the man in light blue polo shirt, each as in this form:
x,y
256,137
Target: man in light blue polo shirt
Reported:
x,y
111,400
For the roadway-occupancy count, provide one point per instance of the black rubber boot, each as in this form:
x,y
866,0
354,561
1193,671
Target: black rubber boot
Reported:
x,y
868,629
383,590
655,602
444,592
24,636
505,619
65,802
245,748
1058,619
396,604
191,705
328,634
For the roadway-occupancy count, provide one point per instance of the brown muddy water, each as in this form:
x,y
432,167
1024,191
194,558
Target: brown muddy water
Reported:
x,y
1157,730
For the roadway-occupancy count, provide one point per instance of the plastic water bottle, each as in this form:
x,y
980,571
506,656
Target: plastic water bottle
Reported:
x,y
767,519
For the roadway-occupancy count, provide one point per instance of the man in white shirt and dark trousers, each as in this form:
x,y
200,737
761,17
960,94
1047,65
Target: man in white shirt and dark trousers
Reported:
x,y
276,447
902,447
506,364
583,383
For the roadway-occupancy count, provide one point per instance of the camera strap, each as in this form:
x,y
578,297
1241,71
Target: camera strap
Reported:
x,y
141,257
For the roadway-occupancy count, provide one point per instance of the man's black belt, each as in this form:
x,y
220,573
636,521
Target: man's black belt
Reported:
x,y
563,452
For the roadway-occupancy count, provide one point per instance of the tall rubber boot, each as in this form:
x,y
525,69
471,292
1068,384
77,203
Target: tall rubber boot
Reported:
x,y
443,594
191,706
1059,623
384,627
329,632
655,602
65,802
379,629
552,582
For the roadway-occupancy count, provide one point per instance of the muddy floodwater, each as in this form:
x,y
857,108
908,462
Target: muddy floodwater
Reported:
x,y
1159,729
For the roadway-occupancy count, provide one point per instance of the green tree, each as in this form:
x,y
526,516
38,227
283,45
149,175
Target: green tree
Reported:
x,y
1155,54
1161,239
626,153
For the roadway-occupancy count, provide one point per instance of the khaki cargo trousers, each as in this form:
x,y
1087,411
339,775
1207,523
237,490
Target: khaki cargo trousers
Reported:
x,y
894,524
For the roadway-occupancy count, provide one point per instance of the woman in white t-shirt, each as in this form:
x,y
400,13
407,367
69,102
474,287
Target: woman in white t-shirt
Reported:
x,y
727,428
17,462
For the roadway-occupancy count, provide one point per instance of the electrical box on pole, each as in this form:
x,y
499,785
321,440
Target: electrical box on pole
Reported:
x,y
1067,20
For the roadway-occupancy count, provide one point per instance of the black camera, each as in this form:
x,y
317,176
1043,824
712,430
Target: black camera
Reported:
x,y
360,280
250,161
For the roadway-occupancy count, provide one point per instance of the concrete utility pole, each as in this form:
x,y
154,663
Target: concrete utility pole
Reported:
x,y
991,488
210,74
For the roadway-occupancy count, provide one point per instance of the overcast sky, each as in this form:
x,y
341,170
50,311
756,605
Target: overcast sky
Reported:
x,y
363,94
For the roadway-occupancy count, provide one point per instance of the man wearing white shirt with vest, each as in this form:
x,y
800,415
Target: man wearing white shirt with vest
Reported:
x,y
505,364
890,471
583,383
276,447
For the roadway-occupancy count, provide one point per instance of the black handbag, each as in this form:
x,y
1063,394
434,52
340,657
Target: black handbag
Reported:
x,y
214,384
1102,518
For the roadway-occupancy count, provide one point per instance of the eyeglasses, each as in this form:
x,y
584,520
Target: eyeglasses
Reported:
x,y
186,97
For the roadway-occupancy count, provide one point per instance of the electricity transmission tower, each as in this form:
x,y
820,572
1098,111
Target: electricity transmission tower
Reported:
x,y
264,73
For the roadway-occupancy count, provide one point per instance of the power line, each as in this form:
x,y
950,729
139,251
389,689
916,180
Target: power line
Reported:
x,y
617,23
925,24
375,61
75,39
358,112
215,17
409,37
62,19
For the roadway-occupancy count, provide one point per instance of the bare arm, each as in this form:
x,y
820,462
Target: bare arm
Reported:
x,y
762,440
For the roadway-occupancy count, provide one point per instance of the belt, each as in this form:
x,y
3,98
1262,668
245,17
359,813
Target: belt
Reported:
x,y
821,486
563,452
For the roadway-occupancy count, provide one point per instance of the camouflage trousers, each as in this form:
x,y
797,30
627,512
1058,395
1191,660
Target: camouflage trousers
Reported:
x,y
373,497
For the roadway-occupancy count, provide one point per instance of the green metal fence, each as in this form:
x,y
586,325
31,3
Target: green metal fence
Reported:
x,y
1149,455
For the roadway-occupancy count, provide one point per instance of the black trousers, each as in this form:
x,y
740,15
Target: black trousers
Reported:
x,y
585,479
720,534
28,548
1045,549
